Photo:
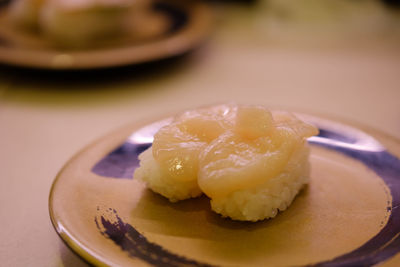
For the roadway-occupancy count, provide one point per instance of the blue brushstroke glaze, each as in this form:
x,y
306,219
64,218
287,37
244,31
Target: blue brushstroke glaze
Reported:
x,y
387,242
122,162
336,136
130,240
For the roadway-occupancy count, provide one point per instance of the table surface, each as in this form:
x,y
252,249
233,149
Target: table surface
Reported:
x,y
338,58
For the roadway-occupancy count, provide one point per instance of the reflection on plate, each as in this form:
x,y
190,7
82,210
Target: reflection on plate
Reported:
x,y
169,29
345,217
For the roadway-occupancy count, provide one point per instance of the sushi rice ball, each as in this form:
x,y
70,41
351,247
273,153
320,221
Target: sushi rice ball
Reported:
x,y
250,162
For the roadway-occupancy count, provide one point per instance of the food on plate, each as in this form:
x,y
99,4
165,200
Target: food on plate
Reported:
x,y
171,166
25,13
77,23
249,161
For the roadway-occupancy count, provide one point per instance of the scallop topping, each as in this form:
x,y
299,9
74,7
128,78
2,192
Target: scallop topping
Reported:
x,y
224,150
176,147
256,149
170,167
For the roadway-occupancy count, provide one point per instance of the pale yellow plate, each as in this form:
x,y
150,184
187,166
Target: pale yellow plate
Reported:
x,y
344,216
170,28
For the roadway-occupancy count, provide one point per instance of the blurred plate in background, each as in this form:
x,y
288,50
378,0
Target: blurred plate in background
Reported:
x,y
171,29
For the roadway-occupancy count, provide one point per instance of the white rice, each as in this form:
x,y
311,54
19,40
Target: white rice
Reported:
x,y
266,200
161,182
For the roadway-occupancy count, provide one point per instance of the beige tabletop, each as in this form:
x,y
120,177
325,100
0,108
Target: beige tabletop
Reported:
x,y
336,58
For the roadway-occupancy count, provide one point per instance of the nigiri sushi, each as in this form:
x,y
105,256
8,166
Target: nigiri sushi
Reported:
x,y
170,166
249,161
79,23
25,13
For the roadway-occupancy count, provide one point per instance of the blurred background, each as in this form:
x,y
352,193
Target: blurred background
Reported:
x,y
337,59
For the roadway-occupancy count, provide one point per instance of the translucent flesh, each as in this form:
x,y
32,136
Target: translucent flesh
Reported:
x,y
176,147
227,148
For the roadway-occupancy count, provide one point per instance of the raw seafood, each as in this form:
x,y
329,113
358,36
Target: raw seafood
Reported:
x,y
250,162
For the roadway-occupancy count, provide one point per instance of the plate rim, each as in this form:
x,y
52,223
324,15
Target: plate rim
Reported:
x,y
87,255
75,247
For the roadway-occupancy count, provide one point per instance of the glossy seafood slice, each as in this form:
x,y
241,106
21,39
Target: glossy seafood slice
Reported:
x,y
256,149
176,148
249,161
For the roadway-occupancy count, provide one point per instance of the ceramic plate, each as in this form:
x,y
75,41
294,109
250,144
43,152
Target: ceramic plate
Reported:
x,y
168,29
346,216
